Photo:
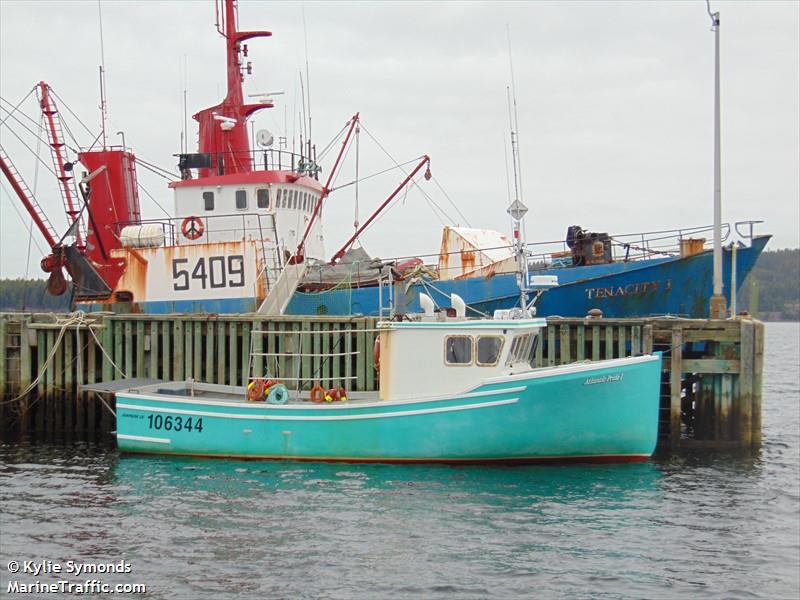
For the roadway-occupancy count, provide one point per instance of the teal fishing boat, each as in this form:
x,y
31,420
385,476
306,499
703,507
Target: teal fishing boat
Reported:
x,y
451,390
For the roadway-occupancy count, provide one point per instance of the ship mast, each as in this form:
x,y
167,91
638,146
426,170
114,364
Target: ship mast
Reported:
x,y
223,128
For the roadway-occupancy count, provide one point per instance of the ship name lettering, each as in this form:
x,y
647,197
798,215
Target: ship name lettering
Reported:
x,y
632,289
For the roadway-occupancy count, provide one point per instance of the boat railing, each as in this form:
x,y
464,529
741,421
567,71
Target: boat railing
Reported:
x,y
264,159
300,358
625,247
258,225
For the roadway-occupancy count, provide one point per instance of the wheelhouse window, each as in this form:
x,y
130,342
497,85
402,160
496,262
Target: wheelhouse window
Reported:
x,y
294,199
262,198
458,350
208,200
241,199
523,348
488,351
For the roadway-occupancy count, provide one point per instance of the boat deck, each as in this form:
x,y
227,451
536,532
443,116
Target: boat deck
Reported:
x,y
208,391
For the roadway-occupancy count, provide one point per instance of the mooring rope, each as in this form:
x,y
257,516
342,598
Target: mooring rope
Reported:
x,y
78,318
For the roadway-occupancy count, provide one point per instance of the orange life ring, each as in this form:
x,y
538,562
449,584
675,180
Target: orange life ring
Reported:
x,y
255,391
317,394
376,354
192,227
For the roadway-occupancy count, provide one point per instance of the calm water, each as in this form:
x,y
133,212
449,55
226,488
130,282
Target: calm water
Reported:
x,y
690,526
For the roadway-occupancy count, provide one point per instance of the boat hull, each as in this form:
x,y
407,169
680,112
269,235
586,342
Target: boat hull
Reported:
x,y
589,411
659,286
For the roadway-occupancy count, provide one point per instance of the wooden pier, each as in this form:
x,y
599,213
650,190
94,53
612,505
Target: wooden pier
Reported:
x,y
710,392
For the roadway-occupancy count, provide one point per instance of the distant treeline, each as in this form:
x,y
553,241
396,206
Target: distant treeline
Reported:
x,y
31,294
771,291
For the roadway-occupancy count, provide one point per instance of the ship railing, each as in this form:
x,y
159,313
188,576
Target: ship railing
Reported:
x,y
625,247
265,159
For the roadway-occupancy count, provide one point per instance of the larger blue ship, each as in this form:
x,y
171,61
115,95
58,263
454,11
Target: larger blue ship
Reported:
x,y
649,278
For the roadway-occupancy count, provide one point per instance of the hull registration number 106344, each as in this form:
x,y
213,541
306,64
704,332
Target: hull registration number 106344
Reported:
x,y
170,423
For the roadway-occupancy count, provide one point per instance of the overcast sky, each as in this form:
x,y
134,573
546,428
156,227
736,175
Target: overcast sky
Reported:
x,y
615,105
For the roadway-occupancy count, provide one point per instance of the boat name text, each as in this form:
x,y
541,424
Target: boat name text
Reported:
x,y
604,379
632,289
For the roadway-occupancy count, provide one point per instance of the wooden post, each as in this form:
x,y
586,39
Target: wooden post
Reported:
x,y
166,353
107,345
621,344
580,343
129,366
139,350
221,351
636,340
361,348
83,338
233,353
564,343
209,367
25,368
747,362
647,339
726,403
551,345
675,387
758,371
153,350
246,326
188,340
197,353
178,350
3,366
596,342
67,400
609,341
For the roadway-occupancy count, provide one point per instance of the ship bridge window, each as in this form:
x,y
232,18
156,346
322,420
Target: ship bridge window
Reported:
x,y
208,200
489,347
241,199
294,199
262,198
278,197
458,350
523,348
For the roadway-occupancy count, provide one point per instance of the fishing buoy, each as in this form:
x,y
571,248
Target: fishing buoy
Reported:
x,y
256,391
317,394
278,395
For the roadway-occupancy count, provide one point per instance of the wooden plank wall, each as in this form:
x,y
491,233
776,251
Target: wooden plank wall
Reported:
x,y
711,383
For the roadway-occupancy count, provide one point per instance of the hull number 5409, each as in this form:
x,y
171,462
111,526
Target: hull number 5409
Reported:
x,y
212,272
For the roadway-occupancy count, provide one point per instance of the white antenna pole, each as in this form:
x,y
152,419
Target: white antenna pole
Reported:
x,y
518,161
308,77
102,76
185,92
717,307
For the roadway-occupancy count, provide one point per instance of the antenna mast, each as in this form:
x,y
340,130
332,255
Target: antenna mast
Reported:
x,y
717,308
103,108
